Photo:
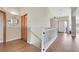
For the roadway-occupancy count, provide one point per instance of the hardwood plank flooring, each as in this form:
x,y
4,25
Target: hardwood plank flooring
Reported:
x,y
65,43
18,46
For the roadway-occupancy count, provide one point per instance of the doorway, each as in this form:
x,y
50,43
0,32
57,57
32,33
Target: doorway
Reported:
x,y
24,27
2,27
62,26
66,28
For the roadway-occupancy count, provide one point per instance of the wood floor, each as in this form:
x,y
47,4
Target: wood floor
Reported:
x,y
18,46
65,43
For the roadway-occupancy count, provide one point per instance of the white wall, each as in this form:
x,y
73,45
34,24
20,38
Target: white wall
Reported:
x,y
40,18
13,30
37,19
77,24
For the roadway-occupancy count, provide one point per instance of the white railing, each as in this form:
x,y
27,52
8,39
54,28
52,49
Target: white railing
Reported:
x,y
38,39
49,36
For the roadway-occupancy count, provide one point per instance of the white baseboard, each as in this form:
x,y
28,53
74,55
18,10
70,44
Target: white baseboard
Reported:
x,y
29,42
36,45
9,40
12,39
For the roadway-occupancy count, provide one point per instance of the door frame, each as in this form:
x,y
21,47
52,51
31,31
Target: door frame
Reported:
x,y
4,26
21,26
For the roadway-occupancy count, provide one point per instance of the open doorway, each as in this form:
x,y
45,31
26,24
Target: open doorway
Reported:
x,y
2,27
66,28
62,26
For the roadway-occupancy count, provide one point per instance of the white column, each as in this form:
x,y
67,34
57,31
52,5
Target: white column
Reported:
x,y
73,26
69,21
73,22
68,24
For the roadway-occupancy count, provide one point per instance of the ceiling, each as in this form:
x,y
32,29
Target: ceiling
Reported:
x,y
13,10
55,11
59,11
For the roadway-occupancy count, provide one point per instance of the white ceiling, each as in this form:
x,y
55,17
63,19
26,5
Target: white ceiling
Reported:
x,y
13,9
59,11
55,11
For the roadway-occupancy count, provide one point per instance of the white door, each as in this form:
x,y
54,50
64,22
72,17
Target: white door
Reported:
x,y
1,29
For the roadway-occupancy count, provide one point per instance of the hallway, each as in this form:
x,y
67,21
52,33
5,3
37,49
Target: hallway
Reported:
x,y
18,46
64,43
28,23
